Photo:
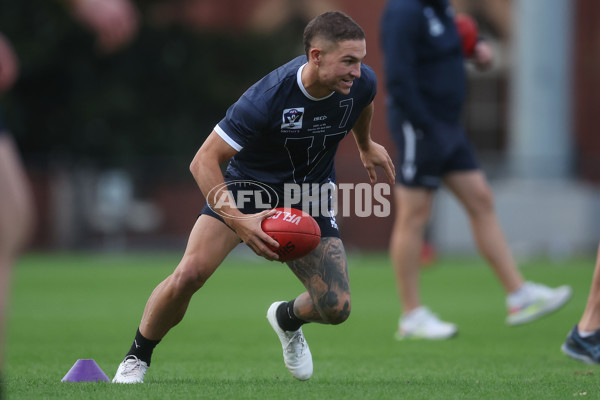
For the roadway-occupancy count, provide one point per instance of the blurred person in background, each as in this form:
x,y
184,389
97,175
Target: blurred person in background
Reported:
x,y
495,13
256,16
16,208
426,82
114,24
583,342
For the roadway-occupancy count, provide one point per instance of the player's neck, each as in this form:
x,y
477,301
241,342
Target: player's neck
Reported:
x,y
310,81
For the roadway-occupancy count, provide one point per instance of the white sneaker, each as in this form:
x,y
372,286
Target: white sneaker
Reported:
x,y
131,370
533,301
296,353
421,323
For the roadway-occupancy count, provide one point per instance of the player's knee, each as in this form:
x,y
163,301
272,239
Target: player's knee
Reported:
x,y
16,223
482,202
412,221
338,315
338,312
189,276
487,200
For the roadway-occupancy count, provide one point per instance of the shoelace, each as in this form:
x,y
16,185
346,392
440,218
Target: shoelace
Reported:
x,y
296,338
132,363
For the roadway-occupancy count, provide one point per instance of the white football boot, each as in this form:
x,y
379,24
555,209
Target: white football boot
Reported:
x,y
421,323
533,301
296,353
131,370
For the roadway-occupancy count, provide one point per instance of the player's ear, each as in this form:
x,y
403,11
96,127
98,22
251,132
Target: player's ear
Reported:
x,y
315,55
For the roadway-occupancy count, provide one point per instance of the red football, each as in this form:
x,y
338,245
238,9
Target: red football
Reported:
x,y
468,32
296,232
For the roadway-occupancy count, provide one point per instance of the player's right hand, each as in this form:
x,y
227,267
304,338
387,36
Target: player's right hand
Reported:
x,y
483,55
251,233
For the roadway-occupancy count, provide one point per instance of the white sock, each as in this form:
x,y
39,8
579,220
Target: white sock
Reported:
x,y
518,296
412,314
585,334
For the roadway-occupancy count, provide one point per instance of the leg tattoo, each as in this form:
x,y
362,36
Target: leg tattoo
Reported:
x,y
324,273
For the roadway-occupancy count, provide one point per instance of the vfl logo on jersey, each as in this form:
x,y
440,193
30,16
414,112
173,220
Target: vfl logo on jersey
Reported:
x,y
292,118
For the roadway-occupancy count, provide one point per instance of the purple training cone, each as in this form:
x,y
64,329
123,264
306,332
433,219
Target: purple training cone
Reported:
x,y
85,371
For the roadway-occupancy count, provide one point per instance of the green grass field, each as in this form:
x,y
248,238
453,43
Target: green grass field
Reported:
x,y
76,306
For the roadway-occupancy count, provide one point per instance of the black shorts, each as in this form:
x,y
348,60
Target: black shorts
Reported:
x,y
253,205
423,158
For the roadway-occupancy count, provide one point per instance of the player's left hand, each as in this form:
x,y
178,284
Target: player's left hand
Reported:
x,y
483,56
377,156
